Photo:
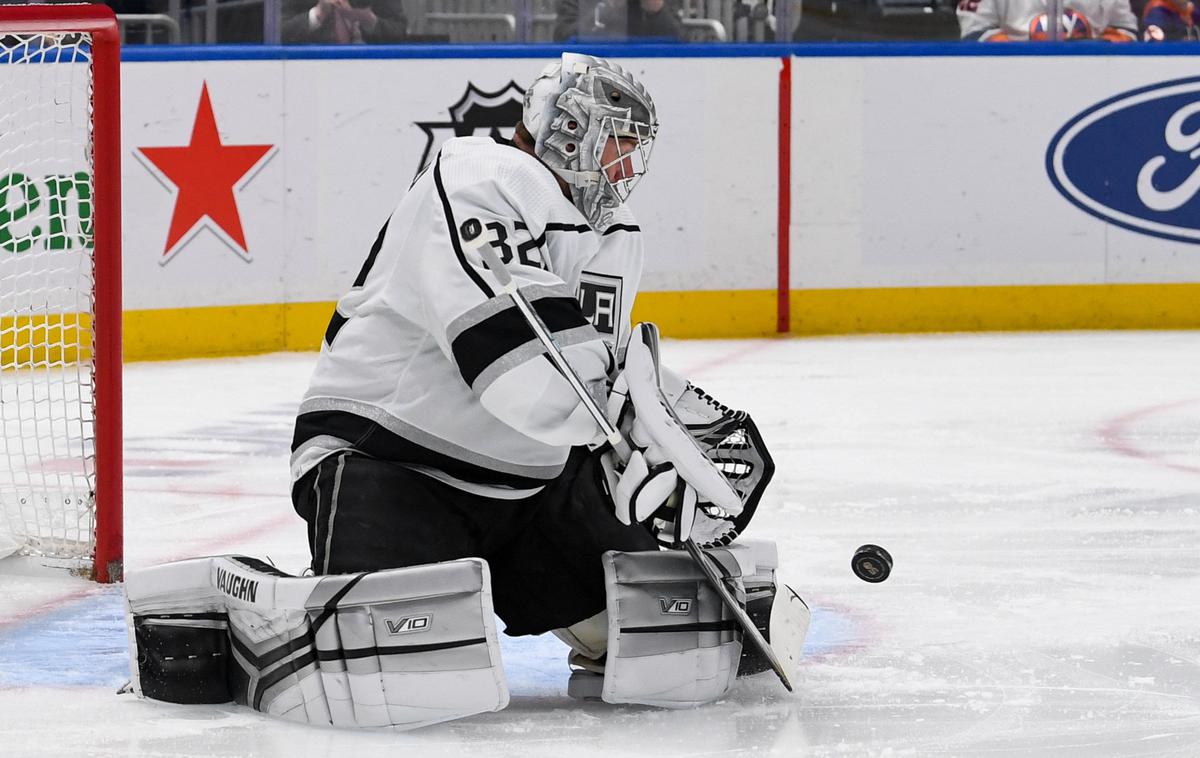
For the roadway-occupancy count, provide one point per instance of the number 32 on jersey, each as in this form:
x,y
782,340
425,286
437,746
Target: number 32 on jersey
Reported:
x,y
502,237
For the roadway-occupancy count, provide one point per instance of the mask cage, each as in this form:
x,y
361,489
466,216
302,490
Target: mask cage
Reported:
x,y
632,160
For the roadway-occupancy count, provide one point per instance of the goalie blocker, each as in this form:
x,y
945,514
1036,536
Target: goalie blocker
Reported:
x,y
401,648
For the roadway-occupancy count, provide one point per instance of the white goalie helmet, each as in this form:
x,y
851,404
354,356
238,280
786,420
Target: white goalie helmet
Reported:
x,y
573,110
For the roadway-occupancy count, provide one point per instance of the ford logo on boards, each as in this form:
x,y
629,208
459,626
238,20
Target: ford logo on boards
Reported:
x,y
1134,160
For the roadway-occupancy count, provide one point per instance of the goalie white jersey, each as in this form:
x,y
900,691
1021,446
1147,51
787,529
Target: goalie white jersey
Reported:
x,y
425,364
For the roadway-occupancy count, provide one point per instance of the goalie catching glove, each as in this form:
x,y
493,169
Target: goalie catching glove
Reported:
x,y
667,459
730,440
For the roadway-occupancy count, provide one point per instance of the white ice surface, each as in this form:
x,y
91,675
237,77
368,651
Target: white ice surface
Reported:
x,y
1040,495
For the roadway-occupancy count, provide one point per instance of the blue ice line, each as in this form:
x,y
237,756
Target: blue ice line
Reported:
x,y
84,644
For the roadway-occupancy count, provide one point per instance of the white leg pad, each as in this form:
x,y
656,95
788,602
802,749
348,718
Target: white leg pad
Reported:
x,y
776,609
671,642
400,648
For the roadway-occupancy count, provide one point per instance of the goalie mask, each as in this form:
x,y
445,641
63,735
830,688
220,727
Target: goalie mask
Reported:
x,y
594,126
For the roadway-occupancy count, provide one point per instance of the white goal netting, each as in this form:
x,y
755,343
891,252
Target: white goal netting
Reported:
x,y
47,398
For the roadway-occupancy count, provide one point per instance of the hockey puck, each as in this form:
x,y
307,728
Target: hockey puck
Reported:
x,y
871,563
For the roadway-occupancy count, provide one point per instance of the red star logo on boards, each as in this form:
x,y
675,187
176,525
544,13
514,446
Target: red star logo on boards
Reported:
x,y
205,173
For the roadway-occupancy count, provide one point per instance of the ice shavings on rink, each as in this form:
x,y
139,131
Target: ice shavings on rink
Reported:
x,y
1040,494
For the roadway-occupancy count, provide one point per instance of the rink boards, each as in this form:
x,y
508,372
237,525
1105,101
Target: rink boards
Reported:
x,y
854,189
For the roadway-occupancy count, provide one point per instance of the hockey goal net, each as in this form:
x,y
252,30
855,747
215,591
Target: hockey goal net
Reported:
x,y
60,286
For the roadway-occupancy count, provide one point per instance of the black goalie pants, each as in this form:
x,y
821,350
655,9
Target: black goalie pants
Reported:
x,y
544,551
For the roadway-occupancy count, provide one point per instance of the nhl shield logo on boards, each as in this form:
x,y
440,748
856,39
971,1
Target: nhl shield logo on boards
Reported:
x,y
1134,160
477,113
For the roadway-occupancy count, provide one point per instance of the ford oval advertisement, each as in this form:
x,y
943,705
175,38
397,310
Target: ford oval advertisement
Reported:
x,y
1134,160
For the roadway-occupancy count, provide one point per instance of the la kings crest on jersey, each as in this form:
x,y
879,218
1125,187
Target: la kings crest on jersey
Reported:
x,y
427,364
600,298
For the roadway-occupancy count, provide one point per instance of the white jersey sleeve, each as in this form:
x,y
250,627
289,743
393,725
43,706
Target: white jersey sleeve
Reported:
x,y
481,331
981,19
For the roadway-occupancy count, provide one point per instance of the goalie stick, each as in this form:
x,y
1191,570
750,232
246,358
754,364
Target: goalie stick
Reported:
x,y
621,447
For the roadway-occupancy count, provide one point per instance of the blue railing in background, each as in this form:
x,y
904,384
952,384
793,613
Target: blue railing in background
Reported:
x,y
143,53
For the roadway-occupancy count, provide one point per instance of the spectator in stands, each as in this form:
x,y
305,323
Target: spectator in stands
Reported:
x,y
236,22
875,21
132,6
608,19
1007,20
1170,20
652,18
343,21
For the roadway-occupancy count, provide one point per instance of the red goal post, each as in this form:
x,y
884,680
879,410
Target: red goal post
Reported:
x,y
56,352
